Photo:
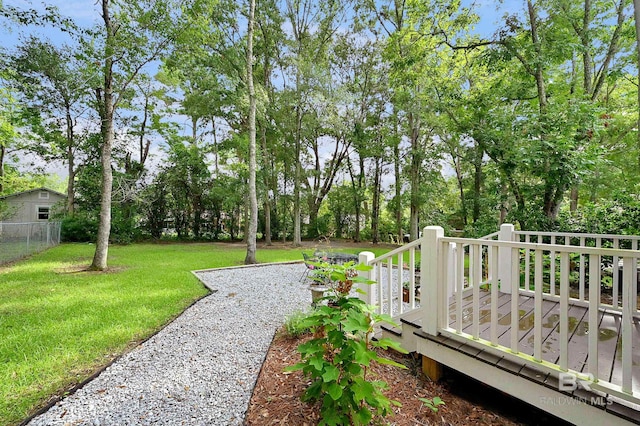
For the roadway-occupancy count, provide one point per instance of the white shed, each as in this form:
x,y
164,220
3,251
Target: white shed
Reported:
x,y
35,205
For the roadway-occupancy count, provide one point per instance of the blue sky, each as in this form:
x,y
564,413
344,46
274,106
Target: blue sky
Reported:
x,y
85,12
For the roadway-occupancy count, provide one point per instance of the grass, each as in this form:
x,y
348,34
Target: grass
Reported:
x,y
59,324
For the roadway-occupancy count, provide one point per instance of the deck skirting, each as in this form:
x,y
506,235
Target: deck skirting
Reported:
x,y
526,386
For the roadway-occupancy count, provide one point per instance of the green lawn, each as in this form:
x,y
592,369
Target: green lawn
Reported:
x,y
59,324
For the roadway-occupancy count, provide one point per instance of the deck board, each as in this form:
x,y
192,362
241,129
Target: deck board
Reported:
x,y
608,331
578,337
525,325
609,355
616,370
467,311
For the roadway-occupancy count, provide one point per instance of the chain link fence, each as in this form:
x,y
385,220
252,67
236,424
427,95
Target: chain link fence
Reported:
x,y
18,240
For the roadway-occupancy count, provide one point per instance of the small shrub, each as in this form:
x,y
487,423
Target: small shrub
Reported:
x,y
338,358
433,403
79,228
295,325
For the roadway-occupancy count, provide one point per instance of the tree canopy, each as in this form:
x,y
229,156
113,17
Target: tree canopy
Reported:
x,y
292,119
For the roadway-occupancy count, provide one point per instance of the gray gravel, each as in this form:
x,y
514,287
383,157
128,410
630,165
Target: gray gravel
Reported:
x,y
201,368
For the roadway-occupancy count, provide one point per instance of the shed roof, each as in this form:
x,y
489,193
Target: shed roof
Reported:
x,y
32,190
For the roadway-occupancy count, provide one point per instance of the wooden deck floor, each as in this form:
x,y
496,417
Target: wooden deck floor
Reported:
x,y
609,345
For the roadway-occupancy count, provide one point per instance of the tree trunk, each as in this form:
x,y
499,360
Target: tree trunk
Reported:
x,y
71,164
243,219
284,209
107,107
314,209
3,150
356,187
538,70
215,148
573,205
104,226
297,234
477,182
585,38
414,174
375,208
267,221
253,197
398,187
267,196
357,238
459,179
71,201
636,14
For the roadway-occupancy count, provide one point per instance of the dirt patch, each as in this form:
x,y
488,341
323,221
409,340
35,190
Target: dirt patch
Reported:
x,y
276,397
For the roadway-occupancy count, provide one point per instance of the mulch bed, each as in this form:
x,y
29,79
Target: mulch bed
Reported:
x,y
276,397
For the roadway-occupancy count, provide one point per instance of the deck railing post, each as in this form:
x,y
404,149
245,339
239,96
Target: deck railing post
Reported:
x,y
369,296
453,271
431,278
504,257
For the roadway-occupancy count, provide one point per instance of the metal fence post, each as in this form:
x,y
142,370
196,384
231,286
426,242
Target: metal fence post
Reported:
x,y
28,236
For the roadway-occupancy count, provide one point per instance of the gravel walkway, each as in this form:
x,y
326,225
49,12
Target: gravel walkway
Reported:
x,y
201,368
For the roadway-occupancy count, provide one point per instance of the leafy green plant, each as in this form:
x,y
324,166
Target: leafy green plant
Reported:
x,y
432,403
607,282
339,356
294,324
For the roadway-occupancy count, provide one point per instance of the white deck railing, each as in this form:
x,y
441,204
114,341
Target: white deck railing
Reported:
x,y
540,265
392,272
611,261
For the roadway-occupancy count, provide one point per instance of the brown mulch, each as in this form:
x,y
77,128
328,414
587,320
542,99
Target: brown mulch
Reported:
x,y
276,397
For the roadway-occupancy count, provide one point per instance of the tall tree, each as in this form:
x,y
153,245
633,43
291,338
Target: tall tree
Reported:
x,y
253,198
636,15
269,45
55,85
139,34
9,124
559,120
313,26
388,19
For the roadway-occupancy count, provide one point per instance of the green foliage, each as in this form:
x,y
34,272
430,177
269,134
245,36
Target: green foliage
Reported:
x,y
432,403
340,203
79,228
295,324
619,215
16,181
388,93
338,359
124,229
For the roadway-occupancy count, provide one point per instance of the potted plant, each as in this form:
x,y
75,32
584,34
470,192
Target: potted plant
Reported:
x,y
405,292
320,280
